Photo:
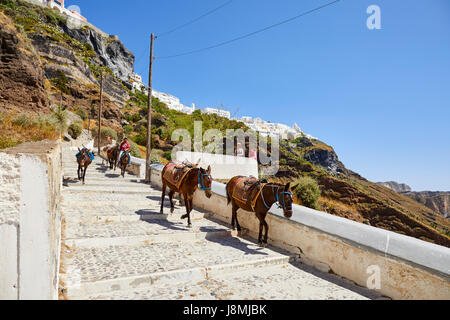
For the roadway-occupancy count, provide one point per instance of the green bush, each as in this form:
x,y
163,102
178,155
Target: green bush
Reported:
x,y
168,155
141,139
9,4
82,114
308,192
75,130
134,150
105,133
61,82
127,129
22,121
59,116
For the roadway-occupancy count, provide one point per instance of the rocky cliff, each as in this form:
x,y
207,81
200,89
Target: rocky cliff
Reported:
x,y
61,64
22,81
397,187
439,202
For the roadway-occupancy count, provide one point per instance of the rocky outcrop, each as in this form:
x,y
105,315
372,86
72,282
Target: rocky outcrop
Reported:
x,y
109,50
325,158
439,202
57,57
22,82
397,187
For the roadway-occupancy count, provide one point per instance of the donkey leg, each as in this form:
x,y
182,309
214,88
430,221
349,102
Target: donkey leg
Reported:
x,y
190,199
261,224
84,173
236,218
187,205
172,207
266,226
162,198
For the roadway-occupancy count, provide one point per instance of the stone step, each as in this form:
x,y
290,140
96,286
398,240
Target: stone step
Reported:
x,y
290,281
85,198
108,184
92,217
105,190
86,272
147,239
105,180
87,230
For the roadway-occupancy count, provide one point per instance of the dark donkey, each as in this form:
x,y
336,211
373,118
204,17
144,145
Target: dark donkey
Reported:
x,y
261,197
84,160
185,179
113,154
126,158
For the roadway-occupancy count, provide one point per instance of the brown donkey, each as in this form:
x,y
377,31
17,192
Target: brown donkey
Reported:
x,y
126,158
258,196
113,154
185,179
84,160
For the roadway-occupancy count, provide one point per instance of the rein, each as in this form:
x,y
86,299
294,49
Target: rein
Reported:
x,y
281,205
201,185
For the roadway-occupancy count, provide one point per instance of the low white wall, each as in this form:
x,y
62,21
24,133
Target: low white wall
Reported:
x,y
222,166
30,223
409,268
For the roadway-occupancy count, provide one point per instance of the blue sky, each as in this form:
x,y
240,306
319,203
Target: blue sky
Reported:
x,y
381,98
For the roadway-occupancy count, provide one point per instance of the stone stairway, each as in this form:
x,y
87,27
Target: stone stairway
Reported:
x,y
116,245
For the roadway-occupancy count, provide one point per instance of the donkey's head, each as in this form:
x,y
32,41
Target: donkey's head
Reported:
x,y
83,156
205,181
285,199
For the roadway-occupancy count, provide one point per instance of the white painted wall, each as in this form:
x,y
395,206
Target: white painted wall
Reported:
x,y
30,222
222,166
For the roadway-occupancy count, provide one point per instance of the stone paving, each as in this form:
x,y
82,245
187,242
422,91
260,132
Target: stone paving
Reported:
x,y
116,245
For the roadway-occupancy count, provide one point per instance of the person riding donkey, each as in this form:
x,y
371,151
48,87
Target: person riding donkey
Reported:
x,y
124,148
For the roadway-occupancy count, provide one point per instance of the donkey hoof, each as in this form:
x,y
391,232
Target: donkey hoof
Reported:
x,y
184,216
190,226
172,210
262,244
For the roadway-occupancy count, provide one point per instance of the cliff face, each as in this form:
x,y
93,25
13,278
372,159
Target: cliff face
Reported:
x,y
21,77
439,202
110,51
397,187
70,59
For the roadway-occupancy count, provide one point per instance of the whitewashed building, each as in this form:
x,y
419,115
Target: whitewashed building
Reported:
x,y
219,112
59,6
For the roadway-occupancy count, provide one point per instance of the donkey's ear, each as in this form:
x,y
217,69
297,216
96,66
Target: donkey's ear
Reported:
x,y
198,162
209,169
288,186
79,149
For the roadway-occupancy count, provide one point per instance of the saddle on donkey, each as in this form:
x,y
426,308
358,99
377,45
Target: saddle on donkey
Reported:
x,y
247,189
177,171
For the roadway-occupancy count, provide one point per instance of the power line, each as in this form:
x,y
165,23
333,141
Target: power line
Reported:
x,y
196,19
250,34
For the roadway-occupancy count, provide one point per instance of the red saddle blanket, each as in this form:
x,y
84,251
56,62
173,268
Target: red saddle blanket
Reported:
x,y
247,190
176,172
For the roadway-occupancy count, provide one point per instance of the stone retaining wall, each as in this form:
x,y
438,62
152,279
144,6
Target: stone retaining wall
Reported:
x,y
407,268
30,221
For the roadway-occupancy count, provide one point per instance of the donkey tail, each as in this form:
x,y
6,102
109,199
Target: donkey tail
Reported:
x,y
228,191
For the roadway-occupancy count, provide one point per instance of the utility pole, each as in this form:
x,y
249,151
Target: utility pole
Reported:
x,y
149,115
100,113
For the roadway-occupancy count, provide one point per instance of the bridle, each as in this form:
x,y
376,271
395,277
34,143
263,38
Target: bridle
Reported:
x,y
201,176
281,205
83,155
